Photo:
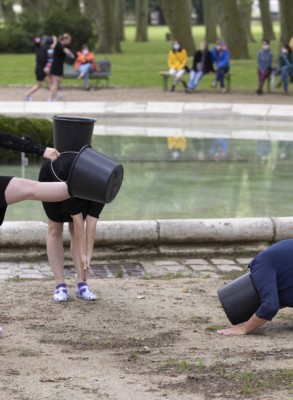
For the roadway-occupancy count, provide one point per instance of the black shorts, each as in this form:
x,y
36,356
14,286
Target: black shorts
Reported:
x,y
40,74
57,69
4,182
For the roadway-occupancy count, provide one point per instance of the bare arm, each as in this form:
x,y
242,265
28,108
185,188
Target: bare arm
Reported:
x,y
79,234
253,323
53,45
68,52
91,224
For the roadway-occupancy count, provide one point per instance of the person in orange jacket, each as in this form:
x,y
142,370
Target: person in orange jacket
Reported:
x,y
85,64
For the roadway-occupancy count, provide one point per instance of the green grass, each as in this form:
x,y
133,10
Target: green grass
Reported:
x,y
139,64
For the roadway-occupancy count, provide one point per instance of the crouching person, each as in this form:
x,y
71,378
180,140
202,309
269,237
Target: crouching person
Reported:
x,y
272,277
82,216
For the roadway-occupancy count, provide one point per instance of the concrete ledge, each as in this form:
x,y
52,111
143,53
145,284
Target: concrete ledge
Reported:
x,y
160,232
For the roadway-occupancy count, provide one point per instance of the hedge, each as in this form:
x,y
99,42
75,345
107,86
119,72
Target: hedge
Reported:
x,y
39,130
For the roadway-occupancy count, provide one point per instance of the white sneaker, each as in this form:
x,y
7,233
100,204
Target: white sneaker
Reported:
x,y
49,99
1,330
27,98
59,96
85,294
60,294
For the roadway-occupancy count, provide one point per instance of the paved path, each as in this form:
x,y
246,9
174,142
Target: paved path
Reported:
x,y
146,108
214,267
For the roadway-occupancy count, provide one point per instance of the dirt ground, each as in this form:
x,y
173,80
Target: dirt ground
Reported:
x,y
146,94
143,339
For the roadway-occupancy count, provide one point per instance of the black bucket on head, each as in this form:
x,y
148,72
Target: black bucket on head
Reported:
x,y
72,133
239,299
94,176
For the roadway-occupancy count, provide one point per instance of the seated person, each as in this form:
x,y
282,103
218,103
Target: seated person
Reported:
x,y
85,64
202,64
76,212
177,62
264,61
272,275
221,57
286,66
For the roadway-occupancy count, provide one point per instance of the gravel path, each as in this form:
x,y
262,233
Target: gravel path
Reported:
x,y
137,95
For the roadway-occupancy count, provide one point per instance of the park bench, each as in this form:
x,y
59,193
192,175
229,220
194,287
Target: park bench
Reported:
x,y
165,75
70,73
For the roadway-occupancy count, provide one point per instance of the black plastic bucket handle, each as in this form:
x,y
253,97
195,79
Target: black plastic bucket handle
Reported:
x,y
61,154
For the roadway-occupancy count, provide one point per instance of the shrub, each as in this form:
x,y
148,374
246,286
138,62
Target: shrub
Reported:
x,y
39,130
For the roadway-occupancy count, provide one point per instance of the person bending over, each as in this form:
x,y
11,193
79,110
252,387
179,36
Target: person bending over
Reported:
x,y
202,64
264,61
85,64
272,275
221,58
177,63
77,213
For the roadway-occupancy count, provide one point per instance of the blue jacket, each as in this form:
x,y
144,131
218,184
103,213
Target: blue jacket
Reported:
x,y
222,57
264,59
272,275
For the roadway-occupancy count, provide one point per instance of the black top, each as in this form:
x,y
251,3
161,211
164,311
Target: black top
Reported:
x,y
59,57
204,58
41,54
62,211
8,141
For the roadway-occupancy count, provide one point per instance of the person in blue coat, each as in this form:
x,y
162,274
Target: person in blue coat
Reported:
x,y
272,275
221,58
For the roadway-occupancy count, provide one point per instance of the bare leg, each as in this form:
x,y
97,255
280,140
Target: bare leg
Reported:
x,y
56,80
48,79
24,189
55,250
37,86
75,253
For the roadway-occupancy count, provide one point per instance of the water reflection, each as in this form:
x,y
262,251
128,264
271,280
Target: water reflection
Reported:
x,y
211,178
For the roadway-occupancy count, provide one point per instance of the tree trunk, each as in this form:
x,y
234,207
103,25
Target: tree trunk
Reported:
x,y
245,14
71,5
210,21
286,18
232,30
200,13
178,17
8,12
141,14
266,20
119,17
102,11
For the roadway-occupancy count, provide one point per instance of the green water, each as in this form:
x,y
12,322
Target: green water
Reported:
x,y
156,186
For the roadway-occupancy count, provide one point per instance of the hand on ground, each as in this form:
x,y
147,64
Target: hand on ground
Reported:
x,y
51,154
233,330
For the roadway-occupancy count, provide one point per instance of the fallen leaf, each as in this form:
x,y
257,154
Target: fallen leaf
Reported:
x,y
173,375
140,297
122,377
146,349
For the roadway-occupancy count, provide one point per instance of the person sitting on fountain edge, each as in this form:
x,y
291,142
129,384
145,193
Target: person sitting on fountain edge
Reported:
x,y
272,275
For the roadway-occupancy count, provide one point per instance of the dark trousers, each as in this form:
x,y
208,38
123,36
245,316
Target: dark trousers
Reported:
x,y
262,76
221,71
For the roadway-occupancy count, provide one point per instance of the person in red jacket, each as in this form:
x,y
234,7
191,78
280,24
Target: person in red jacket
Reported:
x,y
85,64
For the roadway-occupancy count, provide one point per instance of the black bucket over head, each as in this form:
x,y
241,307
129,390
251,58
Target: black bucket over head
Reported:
x,y
239,299
72,133
94,176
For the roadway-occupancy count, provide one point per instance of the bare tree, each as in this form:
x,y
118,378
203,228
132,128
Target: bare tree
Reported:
x,y
178,16
119,18
266,20
141,13
286,18
103,13
245,14
210,21
232,30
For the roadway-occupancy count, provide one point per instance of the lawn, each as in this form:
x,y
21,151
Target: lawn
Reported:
x,y
139,63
